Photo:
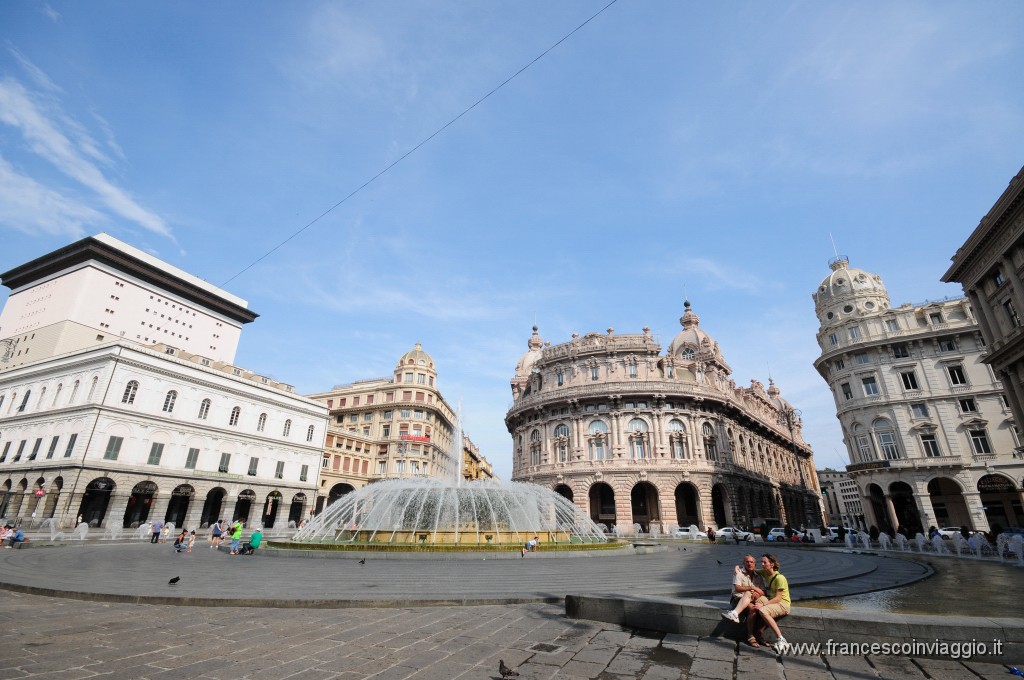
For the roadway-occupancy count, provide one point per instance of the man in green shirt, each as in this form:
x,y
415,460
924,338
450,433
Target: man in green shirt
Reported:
x,y
254,542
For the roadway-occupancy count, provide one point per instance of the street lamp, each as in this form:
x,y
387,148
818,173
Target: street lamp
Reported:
x,y
791,414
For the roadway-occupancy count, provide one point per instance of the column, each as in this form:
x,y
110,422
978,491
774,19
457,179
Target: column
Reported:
x,y
890,509
195,511
869,512
158,507
68,512
1014,391
979,522
925,510
623,511
1016,287
981,312
659,442
115,509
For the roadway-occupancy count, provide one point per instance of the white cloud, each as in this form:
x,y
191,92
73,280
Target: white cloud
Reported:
x,y
65,143
30,207
51,13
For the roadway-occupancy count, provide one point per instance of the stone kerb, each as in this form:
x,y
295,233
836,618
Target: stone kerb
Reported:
x,y
804,624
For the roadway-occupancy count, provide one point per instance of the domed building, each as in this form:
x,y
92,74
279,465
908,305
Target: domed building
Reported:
x,y
927,427
637,437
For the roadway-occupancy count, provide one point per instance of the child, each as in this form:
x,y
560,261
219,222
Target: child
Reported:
x,y
191,540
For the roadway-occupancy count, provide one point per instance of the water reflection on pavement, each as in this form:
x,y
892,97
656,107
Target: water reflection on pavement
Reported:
x,y
959,587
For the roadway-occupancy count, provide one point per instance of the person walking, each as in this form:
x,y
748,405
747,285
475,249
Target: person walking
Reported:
x,y
215,532
155,528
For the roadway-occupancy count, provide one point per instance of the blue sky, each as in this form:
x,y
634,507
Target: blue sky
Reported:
x,y
666,150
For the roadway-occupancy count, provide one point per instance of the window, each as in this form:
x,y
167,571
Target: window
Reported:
x,y
382,467
236,412
847,392
861,357
710,445
560,378
887,442
594,373
421,379
24,401
855,333
204,409
947,345
386,431
670,371
909,379
304,472
900,351
53,448
129,392
562,442
253,464
406,413
406,396
92,388
2,397
408,377
956,375
677,439
288,428
930,446
388,415
632,370
56,396
919,410
353,418
968,405
71,446
417,414
156,451
840,364
1011,314
191,459
309,433
21,449
113,448
535,447
279,470
870,386
35,449
367,418
833,340
74,392
935,317
42,393
998,279
864,448
3,456
169,400
892,325
261,422
980,441
225,462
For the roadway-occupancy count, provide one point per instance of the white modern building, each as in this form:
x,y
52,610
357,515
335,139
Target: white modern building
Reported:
x,y
119,402
841,497
927,427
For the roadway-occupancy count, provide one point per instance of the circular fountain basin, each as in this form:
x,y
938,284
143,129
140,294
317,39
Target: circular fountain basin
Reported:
x,y
431,514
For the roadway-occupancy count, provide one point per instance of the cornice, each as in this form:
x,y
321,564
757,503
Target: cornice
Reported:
x,y
91,249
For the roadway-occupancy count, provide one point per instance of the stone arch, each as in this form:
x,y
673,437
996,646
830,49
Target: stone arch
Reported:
x,y
687,505
643,500
297,509
602,503
177,507
1000,496
270,508
948,502
95,500
212,506
140,502
337,491
907,514
564,491
719,502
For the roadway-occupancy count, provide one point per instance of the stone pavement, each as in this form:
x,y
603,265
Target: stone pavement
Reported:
x,y
45,637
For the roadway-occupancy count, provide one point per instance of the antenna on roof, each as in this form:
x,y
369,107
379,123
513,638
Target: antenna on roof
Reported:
x,y
769,372
834,249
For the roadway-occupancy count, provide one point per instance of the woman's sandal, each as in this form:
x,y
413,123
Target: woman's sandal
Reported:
x,y
752,641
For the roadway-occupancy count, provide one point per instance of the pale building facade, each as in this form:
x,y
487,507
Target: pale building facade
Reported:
x,y
842,499
990,266
636,437
385,428
928,431
119,432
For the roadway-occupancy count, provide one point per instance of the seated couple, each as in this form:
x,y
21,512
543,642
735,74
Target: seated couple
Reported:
x,y
763,594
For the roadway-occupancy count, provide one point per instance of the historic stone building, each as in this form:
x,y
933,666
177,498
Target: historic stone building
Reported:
x,y
929,432
118,429
635,437
841,496
990,266
391,427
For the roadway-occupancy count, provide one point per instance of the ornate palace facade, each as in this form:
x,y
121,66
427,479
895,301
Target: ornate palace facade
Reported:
x,y
633,436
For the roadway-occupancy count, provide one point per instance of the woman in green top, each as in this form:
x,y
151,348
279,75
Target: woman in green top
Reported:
x,y
773,605
236,537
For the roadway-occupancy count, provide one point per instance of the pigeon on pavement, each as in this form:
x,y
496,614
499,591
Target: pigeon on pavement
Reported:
x,y
174,580
505,671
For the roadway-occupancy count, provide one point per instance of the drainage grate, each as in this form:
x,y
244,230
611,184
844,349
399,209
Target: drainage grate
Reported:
x,y
545,647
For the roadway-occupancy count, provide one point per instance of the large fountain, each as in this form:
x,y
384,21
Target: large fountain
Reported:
x,y
431,513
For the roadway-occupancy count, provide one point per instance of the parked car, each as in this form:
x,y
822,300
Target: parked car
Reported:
x,y
833,534
688,534
776,534
726,534
947,532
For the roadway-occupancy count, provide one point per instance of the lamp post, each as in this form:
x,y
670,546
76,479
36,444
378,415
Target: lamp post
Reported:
x,y
791,414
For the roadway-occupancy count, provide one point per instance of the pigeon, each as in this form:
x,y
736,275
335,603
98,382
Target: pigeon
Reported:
x,y
719,562
362,561
505,671
174,580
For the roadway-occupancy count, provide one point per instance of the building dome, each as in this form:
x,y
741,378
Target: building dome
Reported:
x,y
692,343
531,357
418,358
848,292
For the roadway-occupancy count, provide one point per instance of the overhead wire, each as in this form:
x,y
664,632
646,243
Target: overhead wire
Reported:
x,y
416,148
